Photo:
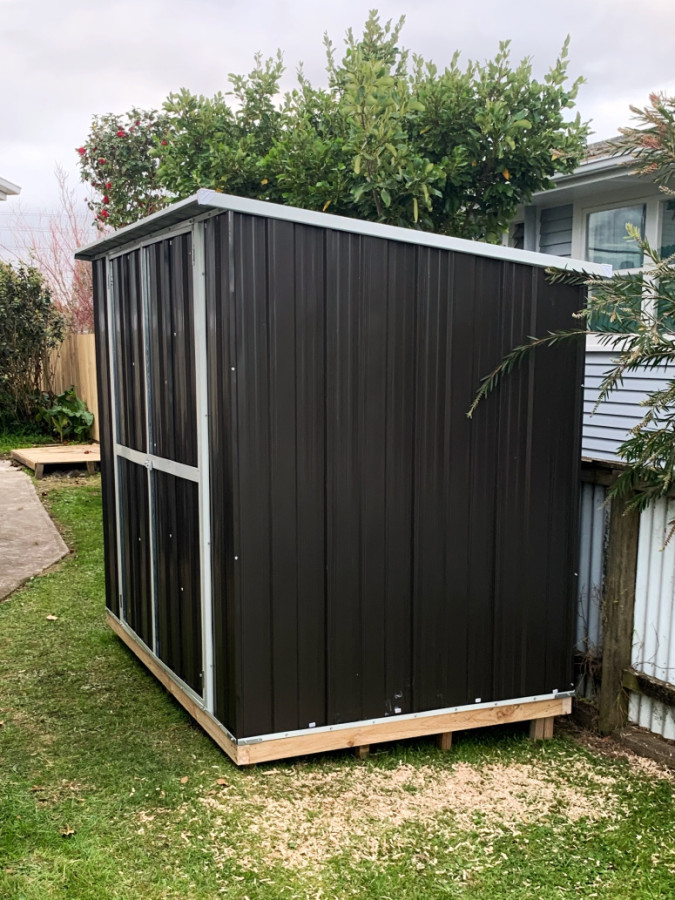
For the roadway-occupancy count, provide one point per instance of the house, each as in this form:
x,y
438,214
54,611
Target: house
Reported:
x,y
584,216
8,189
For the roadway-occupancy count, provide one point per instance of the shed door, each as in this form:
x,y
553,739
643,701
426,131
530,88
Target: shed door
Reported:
x,y
157,450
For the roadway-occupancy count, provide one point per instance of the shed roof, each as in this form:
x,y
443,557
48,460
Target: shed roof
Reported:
x,y
7,188
205,201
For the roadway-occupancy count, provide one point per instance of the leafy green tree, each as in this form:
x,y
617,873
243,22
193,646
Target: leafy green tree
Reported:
x,y
637,312
391,138
30,326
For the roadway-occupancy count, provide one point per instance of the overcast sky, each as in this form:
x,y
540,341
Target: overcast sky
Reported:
x,y
62,61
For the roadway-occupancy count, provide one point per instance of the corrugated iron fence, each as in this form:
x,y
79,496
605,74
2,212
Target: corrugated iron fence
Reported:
x,y
654,618
592,540
653,626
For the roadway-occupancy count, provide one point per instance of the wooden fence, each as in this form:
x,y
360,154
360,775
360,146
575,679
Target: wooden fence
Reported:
x,y
75,363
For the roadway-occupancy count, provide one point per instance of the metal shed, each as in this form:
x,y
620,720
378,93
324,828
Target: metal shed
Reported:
x,y
306,539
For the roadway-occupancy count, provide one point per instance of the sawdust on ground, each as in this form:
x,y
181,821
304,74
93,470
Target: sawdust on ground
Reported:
x,y
305,818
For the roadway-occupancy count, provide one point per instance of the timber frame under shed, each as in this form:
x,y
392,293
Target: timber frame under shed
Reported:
x,y
307,541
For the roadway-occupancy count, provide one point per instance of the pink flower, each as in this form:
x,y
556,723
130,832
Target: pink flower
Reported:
x,y
81,150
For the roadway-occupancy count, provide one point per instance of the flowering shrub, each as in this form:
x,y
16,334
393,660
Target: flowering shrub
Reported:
x,y
116,161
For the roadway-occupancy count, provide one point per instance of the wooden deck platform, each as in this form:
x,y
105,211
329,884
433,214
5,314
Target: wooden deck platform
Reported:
x,y
36,458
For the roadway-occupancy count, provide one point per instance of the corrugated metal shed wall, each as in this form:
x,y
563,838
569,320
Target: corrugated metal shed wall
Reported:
x,y
654,637
155,387
105,413
606,429
386,554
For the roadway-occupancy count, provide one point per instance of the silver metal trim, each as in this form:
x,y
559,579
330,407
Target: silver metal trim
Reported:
x,y
150,461
202,413
207,200
168,232
152,519
343,726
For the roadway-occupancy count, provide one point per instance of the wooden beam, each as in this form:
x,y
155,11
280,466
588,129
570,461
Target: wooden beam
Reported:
x,y
649,686
541,729
618,608
396,729
355,736
444,740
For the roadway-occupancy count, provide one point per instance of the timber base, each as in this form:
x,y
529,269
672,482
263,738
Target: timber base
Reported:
x,y
36,458
358,737
541,729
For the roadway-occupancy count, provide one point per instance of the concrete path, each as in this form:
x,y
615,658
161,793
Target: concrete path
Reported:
x,y
29,540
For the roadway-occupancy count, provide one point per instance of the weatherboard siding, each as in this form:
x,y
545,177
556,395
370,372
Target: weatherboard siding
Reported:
x,y
605,428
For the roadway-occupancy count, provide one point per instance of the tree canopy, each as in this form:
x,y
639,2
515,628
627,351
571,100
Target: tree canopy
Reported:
x,y
392,138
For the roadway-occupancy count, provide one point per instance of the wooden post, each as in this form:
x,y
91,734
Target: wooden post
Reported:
x,y
444,740
618,608
541,729
363,752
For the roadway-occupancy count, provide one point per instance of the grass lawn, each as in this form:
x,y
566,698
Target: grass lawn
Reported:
x,y
107,789
13,440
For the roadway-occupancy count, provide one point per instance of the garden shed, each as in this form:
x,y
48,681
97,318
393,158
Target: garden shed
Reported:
x,y
307,540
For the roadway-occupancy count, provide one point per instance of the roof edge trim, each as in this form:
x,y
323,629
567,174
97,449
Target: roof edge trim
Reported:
x,y
206,200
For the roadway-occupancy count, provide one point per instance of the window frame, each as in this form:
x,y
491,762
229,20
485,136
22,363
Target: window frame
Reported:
x,y
652,203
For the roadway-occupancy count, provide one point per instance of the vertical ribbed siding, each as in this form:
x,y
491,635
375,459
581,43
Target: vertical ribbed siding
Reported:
x,y
135,548
654,635
386,554
155,383
128,315
592,537
594,521
179,630
105,413
171,344
222,447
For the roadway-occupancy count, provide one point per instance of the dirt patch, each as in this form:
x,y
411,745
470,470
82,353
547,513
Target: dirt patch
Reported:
x,y
613,748
302,821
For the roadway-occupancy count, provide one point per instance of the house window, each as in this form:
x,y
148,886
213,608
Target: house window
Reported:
x,y
607,240
667,248
668,229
